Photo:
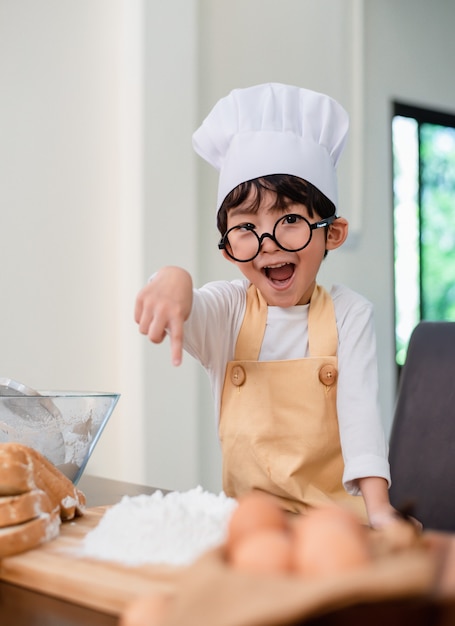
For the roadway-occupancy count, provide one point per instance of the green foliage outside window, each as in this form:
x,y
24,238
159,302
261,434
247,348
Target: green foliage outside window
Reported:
x,y
437,155
424,220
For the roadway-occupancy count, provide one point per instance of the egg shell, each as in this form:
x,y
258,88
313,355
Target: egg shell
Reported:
x,y
256,510
329,540
266,551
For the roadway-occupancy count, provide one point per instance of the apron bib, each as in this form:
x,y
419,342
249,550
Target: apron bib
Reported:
x,y
278,425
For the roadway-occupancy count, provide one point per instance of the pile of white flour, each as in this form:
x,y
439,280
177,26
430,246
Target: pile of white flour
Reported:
x,y
174,528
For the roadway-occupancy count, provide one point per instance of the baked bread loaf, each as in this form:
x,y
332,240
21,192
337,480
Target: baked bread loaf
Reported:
x,y
35,497
26,469
24,507
16,470
28,535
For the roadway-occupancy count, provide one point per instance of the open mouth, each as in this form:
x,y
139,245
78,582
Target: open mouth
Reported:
x,y
279,273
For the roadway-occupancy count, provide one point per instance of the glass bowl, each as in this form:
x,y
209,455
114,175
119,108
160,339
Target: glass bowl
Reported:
x,y
64,426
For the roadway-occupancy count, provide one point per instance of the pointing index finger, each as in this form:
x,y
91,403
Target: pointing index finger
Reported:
x,y
175,331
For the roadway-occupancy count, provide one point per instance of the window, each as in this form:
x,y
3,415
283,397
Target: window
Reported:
x,y
423,144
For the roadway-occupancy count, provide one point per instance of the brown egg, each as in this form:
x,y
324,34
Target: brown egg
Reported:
x,y
266,551
329,540
150,610
256,510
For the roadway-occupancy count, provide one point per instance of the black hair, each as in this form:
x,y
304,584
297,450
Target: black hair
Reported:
x,y
288,189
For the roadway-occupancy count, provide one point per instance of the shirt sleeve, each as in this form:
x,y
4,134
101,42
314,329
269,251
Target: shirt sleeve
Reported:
x,y
363,440
210,333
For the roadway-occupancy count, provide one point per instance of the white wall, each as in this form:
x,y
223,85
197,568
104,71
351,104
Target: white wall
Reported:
x,y
99,185
170,232
71,204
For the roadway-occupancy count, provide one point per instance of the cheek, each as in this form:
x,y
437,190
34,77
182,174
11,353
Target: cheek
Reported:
x,y
247,269
227,257
313,255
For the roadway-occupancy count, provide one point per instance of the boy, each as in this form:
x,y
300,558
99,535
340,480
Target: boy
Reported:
x,y
293,368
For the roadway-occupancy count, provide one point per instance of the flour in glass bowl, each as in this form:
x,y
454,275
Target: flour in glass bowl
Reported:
x,y
173,528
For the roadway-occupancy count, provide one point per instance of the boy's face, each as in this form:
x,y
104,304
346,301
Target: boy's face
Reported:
x,y
284,278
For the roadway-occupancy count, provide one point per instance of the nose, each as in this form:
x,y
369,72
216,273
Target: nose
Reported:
x,y
267,242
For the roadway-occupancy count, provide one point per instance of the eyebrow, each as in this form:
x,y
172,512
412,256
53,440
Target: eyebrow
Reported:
x,y
251,210
239,210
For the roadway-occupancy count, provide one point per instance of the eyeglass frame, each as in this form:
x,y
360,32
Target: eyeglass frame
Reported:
x,y
223,242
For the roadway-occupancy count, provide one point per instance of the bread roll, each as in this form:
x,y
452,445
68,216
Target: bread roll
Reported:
x,y
22,469
34,498
16,470
58,487
22,537
24,507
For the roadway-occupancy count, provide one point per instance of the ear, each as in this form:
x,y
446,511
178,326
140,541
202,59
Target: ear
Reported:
x,y
337,233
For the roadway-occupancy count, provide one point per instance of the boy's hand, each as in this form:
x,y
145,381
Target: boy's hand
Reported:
x,y
162,307
380,512
383,519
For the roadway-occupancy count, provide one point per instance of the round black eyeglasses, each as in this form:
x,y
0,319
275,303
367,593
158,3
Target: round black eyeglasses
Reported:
x,y
291,233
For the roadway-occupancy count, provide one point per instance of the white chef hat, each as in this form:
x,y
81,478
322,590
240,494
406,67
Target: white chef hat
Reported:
x,y
274,129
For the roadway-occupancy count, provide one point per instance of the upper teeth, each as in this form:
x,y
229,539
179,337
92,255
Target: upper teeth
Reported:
x,y
276,265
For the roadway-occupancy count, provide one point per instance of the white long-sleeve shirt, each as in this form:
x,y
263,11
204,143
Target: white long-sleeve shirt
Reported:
x,y
211,334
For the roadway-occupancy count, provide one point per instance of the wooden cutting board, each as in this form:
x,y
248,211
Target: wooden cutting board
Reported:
x,y
57,569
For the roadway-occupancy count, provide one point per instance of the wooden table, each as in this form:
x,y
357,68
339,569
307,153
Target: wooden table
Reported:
x,y
22,607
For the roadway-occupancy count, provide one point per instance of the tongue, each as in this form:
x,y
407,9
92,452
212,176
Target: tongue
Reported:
x,y
280,273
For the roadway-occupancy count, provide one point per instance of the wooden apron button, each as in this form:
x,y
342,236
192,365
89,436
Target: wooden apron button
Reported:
x,y
328,374
238,375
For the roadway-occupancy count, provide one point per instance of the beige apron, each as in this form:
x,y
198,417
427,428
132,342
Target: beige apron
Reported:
x,y
278,426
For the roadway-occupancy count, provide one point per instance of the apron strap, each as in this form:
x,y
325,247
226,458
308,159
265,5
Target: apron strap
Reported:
x,y
322,329
322,326
249,340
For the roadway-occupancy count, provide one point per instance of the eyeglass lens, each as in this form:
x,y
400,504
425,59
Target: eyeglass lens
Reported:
x,y
291,232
